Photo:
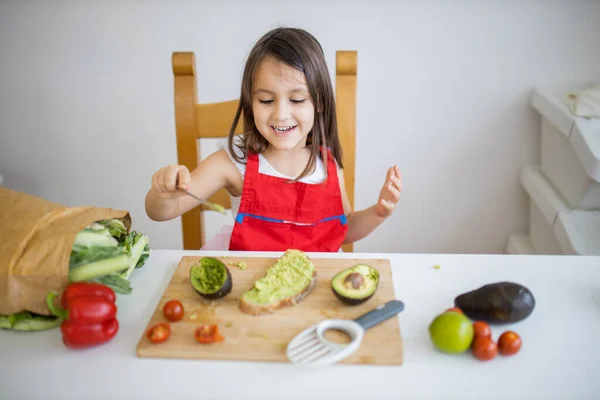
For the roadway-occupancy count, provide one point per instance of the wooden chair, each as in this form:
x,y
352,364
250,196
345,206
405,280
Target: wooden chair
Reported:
x,y
195,121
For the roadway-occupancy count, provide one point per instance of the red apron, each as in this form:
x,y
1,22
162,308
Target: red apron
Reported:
x,y
275,215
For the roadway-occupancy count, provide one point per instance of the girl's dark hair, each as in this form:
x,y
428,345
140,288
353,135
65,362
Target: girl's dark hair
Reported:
x,y
300,50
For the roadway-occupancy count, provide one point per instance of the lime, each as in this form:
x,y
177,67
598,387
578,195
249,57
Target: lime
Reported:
x,y
451,332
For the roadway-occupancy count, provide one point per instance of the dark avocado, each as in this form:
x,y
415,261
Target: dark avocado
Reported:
x,y
355,285
211,278
500,302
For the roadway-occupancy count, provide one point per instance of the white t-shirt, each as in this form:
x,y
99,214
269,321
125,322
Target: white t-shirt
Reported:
x,y
265,168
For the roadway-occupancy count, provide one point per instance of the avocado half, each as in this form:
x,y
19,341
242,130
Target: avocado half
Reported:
x,y
211,278
356,284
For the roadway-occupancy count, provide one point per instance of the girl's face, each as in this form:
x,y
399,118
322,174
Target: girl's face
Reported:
x,y
282,106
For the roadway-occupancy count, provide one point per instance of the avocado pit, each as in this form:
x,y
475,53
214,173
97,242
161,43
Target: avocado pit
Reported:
x,y
354,281
356,284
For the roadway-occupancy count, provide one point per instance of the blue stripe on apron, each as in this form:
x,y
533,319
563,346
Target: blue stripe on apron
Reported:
x,y
240,218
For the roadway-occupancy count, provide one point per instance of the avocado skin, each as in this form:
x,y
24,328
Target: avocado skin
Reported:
x,y
352,301
500,302
349,301
223,290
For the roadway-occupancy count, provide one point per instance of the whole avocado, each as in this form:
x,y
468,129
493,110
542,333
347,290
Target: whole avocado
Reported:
x,y
500,302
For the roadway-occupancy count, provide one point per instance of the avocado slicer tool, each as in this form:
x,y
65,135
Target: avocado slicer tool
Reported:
x,y
310,347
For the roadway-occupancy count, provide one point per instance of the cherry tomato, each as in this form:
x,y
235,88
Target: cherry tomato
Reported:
x,y
454,309
208,334
160,332
484,348
173,310
509,343
481,329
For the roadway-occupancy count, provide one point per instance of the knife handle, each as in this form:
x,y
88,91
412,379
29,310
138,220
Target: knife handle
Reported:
x,y
380,314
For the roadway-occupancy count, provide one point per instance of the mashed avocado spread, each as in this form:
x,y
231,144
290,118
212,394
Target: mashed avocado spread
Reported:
x,y
288,277
209,275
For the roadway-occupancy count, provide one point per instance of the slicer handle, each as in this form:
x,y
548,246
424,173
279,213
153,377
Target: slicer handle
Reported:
x,y
380,314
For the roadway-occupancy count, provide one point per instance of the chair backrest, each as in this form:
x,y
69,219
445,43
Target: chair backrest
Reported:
x,y
195,121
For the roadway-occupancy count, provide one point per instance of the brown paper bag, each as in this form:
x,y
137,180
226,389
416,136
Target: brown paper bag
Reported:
x,y
36,237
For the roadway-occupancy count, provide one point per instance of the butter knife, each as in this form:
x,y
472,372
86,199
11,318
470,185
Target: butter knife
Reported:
x,y
215,207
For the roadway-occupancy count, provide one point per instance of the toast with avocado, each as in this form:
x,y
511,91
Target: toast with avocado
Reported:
x,y
285,284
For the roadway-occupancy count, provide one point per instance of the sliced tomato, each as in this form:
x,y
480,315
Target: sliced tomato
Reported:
x,y
160,332
208,334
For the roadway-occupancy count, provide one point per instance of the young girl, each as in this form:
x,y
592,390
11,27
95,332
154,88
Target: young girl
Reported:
x,y
285,174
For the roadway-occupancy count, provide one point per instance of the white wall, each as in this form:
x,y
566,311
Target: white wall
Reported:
x,y
443,91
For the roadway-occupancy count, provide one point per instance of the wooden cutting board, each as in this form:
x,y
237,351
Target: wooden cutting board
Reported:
x,y
264,338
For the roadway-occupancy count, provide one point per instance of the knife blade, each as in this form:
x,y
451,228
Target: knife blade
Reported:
x,y
213,206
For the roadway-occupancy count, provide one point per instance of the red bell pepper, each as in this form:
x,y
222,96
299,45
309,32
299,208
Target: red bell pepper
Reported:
x,y
86,335
88,313
77,289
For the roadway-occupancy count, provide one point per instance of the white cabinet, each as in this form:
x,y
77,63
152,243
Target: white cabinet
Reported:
x,y
569,149
564,189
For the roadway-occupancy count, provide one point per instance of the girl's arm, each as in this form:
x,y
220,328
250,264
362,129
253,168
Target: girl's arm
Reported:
x,y
165,202
362,223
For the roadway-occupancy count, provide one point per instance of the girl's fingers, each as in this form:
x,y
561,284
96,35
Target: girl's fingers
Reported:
x,y
160,180
167,179
394,177
153,184
396,182
392,188
183,177
398,172
389,174
388,182
389,207
171,178
164,183
394,193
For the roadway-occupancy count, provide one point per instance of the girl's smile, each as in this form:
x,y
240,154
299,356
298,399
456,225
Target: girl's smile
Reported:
x,y
283,130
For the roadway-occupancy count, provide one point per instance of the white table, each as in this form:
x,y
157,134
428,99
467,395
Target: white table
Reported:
x,y
560,357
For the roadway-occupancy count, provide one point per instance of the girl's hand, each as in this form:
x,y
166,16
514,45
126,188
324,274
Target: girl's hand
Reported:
x,y
168,179
390,193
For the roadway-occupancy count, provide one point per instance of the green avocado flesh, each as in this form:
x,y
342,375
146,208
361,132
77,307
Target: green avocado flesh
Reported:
x,y
355,285
210,278
291,274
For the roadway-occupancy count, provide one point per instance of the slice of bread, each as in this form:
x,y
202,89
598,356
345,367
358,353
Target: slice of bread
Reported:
x,y
288,282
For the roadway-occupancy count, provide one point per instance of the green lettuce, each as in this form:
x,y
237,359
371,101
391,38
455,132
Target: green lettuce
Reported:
x,y
26,321
104,252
